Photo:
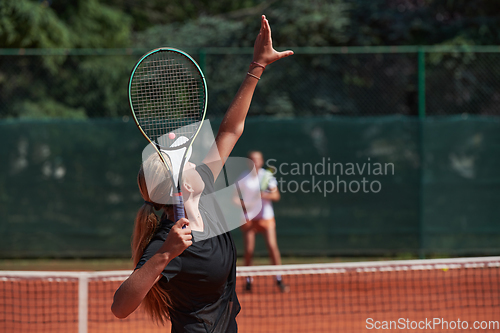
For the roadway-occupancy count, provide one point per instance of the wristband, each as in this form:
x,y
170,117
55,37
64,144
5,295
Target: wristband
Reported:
x,y
255,76
257,64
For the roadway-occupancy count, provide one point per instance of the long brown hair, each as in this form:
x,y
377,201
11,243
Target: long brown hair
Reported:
x,y
157,301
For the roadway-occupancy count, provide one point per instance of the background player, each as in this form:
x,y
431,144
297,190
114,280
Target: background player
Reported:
x,y
264,221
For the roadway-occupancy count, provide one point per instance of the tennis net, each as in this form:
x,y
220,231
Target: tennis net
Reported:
x,y
440,295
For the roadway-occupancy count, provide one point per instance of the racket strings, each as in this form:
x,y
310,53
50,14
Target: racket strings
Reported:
x,y
168,96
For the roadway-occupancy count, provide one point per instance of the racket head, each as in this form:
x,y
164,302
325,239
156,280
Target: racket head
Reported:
x,y
168,94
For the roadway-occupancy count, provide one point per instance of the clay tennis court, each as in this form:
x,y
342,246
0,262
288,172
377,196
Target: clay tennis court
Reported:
x,y
320,299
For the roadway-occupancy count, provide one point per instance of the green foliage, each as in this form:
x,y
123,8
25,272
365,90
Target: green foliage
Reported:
x,y
423,22
62,86
310,23
97,84
150,13
334,22
203,32
47,108
25,23
294,23
101,83
94,25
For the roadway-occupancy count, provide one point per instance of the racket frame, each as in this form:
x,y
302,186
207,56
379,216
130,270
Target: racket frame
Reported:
x,y
179,205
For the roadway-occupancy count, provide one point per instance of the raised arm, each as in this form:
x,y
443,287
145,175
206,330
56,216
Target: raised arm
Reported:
x,y
233,122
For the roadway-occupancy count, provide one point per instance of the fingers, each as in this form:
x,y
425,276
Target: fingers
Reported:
x,y
182,223
265,29
268,27
187,239
184,230
178,238
264,52
285,54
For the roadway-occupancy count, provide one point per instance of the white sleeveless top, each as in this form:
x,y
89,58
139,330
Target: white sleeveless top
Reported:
x,y
252,183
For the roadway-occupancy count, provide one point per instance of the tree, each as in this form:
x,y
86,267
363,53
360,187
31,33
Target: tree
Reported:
x,y
61,86
294,23
423,22
96,85
26,23
150,13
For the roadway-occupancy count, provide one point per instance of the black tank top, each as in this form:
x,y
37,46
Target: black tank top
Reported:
x,y
201,281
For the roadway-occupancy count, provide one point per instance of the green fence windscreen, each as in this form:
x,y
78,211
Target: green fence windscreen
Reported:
x,y
68,188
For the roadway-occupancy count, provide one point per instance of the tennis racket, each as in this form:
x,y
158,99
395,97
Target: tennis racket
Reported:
x,y
168,99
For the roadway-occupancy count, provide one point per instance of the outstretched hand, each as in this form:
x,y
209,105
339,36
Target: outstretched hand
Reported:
x,y
263,52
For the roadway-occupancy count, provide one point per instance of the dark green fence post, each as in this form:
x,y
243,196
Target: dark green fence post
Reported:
x,y
421,83
421,119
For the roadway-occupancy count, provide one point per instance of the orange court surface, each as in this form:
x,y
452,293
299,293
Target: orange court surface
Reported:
x,y
320,300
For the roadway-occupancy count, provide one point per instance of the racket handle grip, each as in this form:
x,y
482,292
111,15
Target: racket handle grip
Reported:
x,y
179,208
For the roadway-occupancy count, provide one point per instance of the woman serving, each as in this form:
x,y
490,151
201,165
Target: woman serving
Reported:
x,y
177,278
